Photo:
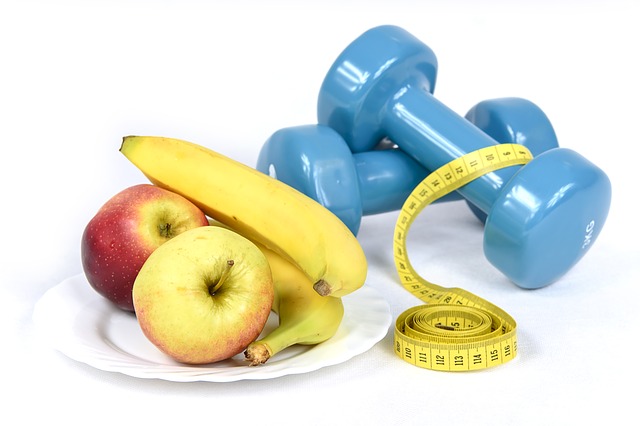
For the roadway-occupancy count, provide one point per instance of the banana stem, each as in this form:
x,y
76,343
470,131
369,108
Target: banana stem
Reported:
x,y
279,339
257,353
322,288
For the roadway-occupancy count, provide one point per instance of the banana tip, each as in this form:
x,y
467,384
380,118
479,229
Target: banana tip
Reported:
x,y
124,139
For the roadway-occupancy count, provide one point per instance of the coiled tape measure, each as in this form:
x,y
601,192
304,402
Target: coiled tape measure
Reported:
x,y
455,330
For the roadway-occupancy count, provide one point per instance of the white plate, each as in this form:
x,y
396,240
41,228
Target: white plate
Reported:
x,y
87,328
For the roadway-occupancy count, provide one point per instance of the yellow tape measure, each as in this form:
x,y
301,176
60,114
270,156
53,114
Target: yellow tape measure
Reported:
x,y
456,330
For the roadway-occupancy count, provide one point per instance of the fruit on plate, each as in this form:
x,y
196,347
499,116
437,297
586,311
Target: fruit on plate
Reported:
x,y
304,317
258,206
203,296
126,230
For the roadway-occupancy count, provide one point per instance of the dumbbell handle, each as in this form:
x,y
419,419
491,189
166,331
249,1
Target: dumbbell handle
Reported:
x,y
386,178
450,136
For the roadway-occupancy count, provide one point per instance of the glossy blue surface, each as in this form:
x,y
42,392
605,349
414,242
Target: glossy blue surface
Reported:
x,y
513,120
366,76
547,217
386,175
316,161
386,178
380,86
542,217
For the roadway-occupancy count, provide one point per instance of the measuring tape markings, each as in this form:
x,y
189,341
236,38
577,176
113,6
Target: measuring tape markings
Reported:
x,y
456,330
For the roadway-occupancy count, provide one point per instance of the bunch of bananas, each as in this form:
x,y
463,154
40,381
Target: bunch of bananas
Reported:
x,y
305,317
315,259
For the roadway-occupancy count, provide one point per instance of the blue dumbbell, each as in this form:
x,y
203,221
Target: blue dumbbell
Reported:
x,y
316,160
542,217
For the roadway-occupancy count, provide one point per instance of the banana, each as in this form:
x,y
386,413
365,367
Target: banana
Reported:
x,y
258,206
304,317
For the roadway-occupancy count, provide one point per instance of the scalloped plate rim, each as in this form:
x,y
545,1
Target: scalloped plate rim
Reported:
x,y
71,316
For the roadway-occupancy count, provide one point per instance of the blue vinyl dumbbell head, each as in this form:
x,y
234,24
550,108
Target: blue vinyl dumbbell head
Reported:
x,y
513,120
350,101
316,161
533,259
546,218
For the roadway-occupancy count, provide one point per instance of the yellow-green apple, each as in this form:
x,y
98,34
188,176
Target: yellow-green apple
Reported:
x,y
204,296
126,230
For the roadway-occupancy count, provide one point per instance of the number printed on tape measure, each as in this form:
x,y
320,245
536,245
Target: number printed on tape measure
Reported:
x,y
469,358
455,330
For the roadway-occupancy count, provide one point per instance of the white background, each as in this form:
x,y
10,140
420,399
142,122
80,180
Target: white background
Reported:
x,y
77,76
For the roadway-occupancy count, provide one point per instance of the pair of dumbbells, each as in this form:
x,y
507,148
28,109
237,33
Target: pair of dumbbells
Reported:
x,y
540,218
317,161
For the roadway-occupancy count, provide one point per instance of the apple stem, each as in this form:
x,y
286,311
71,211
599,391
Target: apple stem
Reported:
x,y
223,277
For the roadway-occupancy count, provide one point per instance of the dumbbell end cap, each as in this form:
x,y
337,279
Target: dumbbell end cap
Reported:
x,y
513,120
546,218
368,72
314,160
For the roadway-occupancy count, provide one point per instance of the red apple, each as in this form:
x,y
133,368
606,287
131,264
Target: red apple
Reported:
x,y
126,230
